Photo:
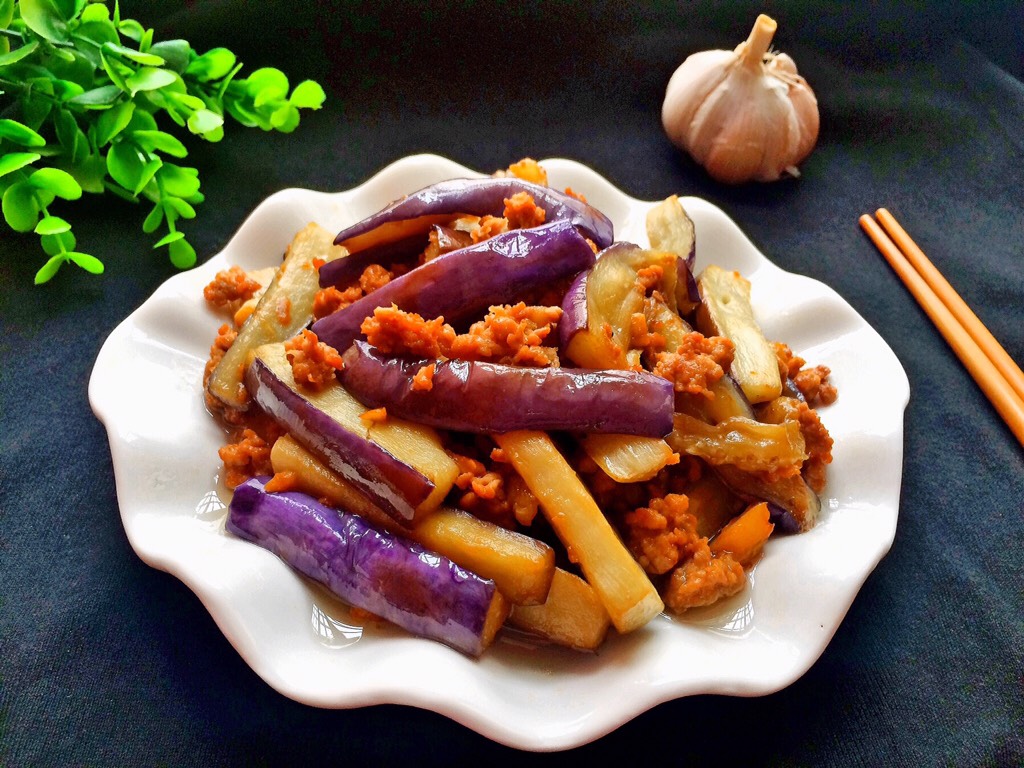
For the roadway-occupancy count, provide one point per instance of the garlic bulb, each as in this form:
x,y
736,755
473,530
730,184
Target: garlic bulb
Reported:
x,y
743,114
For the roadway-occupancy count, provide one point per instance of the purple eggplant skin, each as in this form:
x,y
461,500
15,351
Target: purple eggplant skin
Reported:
x,y
574,310
477,197
342,272
394,485
481,397
464,282
368,568
687,292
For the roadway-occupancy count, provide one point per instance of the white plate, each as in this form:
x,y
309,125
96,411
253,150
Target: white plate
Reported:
x,y
146,389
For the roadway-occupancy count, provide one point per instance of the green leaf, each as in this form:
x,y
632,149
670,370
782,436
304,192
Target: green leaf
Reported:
x,y
187,101
148,172
96,12
168,239
175,54
131,29
212,65
35,111
18,53
203,121
112,122
243,114
150,79
308,95
99,32
98,98
67,89
70,136
61,183
87,262
90,173
267,81
141,121
182,254
46,19
154,219
19,133
6,13
215,135
159,141
180,207
178,181
20,207
12,161
60,242
70,8
125,164
116,71
285,119
148,59
52,225
49,269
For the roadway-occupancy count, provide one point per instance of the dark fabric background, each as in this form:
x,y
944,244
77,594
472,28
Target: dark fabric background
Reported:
x,y
106,662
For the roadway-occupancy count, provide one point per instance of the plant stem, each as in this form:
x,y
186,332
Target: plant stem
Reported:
x,y
752,51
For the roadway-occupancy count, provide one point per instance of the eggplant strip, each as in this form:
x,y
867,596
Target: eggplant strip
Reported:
x,y
464,282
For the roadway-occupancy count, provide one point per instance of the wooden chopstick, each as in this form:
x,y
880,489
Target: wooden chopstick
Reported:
x,y
994,383
981,335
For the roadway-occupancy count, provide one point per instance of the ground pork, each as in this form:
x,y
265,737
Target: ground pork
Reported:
x,y
661,534
527,169
332,298
511,335
247,457
703,579
521,212
229,289
812,382
697,364
314,363
394,332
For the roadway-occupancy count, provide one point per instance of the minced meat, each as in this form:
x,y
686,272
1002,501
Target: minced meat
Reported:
x,y
229,289
703,579
394,331
314,363
330,299
521,212
246,458
812,382
527,169
662,534
511,335
484,491
697,364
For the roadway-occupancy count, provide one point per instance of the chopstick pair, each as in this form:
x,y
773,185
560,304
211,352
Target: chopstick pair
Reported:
x,y
999,377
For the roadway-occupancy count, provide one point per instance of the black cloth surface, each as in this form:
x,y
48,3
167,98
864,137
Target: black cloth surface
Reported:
x,y
107,662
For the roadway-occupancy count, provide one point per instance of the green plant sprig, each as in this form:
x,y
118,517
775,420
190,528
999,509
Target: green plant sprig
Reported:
x,y
82,92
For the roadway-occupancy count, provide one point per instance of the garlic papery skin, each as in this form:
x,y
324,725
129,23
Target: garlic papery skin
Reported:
x,y
744,114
